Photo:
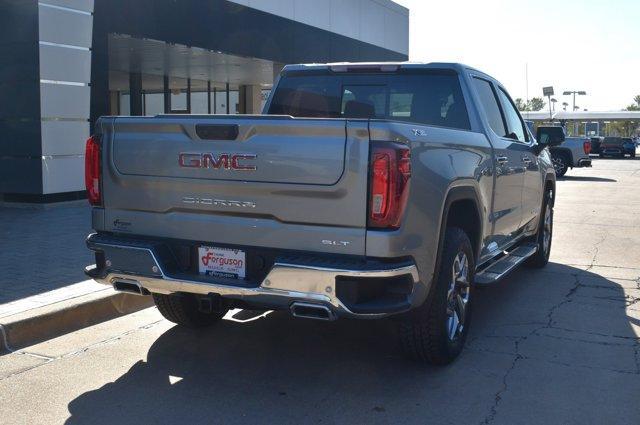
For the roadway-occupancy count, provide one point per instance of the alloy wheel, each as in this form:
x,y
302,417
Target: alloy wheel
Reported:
x,y
458,296
559,165
546,230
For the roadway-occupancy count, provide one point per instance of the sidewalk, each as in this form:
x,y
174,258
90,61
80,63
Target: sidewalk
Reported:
x,y
42,249
43,290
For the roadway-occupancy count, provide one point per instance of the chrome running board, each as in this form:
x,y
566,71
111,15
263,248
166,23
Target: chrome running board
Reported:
x,y
505,264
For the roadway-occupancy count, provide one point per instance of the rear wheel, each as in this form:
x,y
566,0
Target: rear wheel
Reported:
x,y
185,310
436,331
545,234
560,164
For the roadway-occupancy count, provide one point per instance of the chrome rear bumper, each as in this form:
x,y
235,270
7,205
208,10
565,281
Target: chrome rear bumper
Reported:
x,y
284,285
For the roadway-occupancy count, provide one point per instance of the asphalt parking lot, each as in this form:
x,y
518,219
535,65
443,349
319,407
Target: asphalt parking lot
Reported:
x,y
560,345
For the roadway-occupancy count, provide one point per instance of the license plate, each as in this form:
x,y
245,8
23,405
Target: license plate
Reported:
x,y
221,262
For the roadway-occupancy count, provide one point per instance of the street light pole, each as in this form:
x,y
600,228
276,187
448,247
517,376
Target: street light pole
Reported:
x,y
574,92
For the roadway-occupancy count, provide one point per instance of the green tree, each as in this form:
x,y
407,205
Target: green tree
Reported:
x,y
634,106
534,104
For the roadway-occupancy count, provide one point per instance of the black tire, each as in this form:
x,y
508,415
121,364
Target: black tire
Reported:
x,y
560,164
424,332
183,309
541,257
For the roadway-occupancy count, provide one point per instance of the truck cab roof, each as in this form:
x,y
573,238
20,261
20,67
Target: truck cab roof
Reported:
x,y
380,66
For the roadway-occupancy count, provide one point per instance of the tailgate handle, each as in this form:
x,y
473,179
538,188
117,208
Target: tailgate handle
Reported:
x,y
217,131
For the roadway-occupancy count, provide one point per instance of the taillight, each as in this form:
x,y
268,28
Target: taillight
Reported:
x,y
587,146
92,171
390,173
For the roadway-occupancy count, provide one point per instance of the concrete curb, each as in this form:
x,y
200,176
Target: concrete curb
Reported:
x,y
40,324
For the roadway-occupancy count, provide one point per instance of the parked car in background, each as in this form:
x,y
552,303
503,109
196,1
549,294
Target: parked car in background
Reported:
x,y
618,147
366,191
595,144
573,153
629,146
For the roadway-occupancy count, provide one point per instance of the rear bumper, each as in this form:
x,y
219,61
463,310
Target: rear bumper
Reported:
x,y
584,162
357,292
611,151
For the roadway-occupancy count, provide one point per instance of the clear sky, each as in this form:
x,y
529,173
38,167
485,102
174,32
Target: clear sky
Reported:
x,y
589,45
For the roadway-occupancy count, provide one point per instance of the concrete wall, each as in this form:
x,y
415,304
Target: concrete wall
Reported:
x,y
382,23
65,28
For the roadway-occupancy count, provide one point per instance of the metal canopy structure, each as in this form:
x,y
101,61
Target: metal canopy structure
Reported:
x,y
583,115
590,123
152,57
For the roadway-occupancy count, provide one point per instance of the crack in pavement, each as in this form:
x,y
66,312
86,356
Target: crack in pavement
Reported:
x,y
493,412
20,372
550,324
600,265
596,247
556,362
586,341
632,338
76,352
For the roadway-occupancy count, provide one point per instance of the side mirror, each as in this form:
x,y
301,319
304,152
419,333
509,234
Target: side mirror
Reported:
x,y
550,136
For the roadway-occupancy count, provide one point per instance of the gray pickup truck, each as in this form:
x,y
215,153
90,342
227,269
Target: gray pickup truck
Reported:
x,y
364,191
572,153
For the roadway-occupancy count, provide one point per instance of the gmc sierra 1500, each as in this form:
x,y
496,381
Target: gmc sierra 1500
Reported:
x,y
366,191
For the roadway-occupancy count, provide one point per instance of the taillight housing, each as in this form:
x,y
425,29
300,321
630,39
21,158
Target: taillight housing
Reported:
x,y
587,146
92,171
389,178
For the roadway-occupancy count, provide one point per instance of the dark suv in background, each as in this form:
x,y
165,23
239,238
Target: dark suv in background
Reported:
x,y
629,146
617,146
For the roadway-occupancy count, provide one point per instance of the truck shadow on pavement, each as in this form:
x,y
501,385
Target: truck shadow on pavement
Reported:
x,y
588,179
284,370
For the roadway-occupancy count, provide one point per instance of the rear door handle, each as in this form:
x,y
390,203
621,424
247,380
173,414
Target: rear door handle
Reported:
x,y
526,159
502,160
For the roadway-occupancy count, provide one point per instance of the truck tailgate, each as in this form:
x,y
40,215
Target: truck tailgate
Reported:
x,y
282,182
279,150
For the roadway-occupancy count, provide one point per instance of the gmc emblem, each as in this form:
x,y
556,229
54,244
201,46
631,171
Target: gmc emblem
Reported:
x,y
225,161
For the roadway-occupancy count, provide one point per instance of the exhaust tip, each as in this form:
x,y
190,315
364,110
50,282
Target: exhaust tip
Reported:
x,y
312,311
130,287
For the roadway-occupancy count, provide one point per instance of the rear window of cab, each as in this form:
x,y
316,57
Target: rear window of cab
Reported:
x,y
427,97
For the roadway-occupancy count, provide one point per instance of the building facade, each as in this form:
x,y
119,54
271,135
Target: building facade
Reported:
x,y
68,62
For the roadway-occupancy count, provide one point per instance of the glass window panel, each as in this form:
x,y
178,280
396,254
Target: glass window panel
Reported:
x,y
431,98
264,95
199,103
153,103
178,100
516,127
125,104
490,105
234,102
220,101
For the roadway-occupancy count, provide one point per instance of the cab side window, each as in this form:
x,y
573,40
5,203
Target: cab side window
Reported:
x,y
490,105
515,126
